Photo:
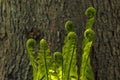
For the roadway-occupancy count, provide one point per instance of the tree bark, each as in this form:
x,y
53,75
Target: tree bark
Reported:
x,y
23,19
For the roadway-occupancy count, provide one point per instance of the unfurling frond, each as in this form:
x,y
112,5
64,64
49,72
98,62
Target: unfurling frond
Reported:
x,y
90,12
30,44
86,72
69,26
69,56
44,61
89,34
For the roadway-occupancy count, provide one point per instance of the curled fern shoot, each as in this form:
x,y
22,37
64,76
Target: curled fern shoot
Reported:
x,y
44,61
89,34
58,65
30,44
86,72
69,57
69,26
91,13
58,58
43,44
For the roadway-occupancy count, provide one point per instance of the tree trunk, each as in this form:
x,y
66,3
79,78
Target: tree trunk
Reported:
x,y
23,19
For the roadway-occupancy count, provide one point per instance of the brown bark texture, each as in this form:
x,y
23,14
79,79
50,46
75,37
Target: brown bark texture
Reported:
x,y
23,19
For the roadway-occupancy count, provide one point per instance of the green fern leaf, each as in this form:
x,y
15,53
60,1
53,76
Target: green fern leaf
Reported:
x,y
69,26
44,61
86,72
30,44
69,57
57,66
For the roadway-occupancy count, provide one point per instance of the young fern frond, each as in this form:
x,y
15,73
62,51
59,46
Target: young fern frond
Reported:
x,y
69,26
58,58
91,13
69,54
30,44
88,33
86,72
44,61
58,66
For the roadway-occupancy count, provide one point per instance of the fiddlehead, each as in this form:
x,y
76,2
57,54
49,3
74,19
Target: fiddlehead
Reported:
x,y
69,26
72,37
58,60
69,56
86,72
43,44
91,13
44,60
30,44
89,34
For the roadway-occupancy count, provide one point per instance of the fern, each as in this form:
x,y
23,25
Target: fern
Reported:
x,y
69,26
44,61
69,54
86,72
91,13
30,44
57,66
62,66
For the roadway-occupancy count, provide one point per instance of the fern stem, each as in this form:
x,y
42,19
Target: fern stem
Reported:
x,y
70,63
45,64
62,69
